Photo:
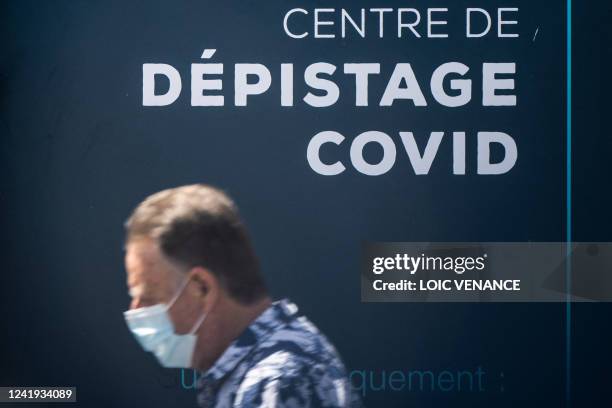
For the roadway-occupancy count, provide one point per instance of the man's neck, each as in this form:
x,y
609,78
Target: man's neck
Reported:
x,y
244,315
228,324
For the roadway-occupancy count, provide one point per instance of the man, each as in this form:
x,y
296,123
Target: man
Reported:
x,y
199,300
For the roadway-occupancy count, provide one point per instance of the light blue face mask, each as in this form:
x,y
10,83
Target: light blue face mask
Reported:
x,y
154,330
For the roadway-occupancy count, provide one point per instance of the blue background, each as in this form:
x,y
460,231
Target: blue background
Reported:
x,y
79,151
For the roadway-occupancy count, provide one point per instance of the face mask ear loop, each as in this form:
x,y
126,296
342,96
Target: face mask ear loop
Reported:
x,y
178,292
196,327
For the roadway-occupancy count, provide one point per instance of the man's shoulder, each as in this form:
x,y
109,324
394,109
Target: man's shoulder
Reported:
x,y
284,378
297,366
298,342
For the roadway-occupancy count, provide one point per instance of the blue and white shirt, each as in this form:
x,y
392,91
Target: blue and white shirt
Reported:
x,y
280,361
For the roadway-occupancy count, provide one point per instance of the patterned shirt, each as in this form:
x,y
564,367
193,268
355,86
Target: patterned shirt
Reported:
x,y
280,361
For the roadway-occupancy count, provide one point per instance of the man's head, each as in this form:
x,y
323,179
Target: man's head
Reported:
x,y
192,238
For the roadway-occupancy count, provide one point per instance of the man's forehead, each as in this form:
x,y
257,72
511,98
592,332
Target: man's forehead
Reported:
x,y
145,265
142,250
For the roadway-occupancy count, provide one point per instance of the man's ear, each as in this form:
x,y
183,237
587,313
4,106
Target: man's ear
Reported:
x,y
207,285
